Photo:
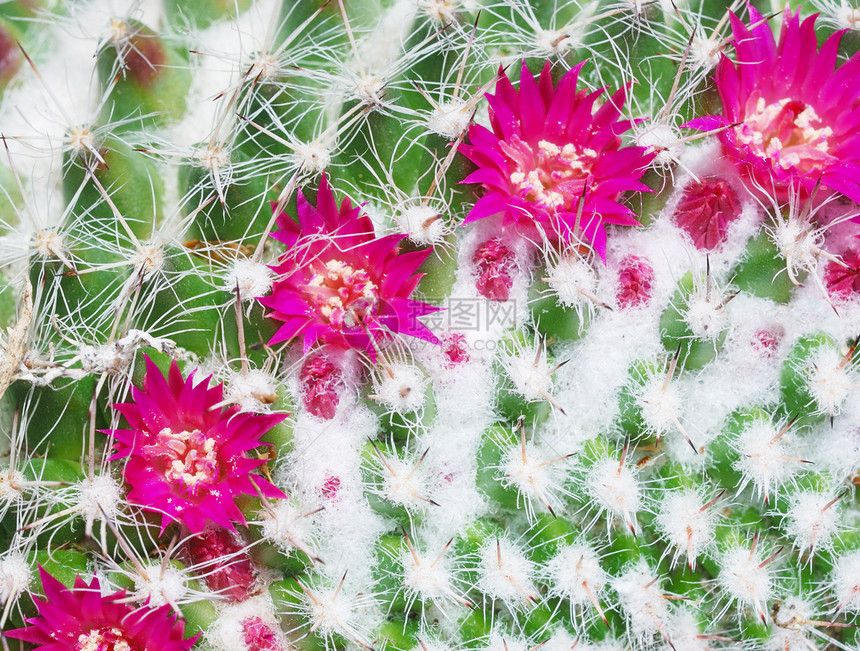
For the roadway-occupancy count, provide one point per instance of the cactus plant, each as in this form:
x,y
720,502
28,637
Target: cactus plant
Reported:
x,y
421,325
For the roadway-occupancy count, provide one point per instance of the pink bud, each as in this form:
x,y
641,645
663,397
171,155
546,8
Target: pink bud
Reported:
x,y
330,488
634,282
494,262
455,348
842,281
321,381
765,342
260,636
234,577
705,211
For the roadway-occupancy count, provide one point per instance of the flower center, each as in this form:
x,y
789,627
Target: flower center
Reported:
x,y
344,295
788,132
188,457
103,639
553,176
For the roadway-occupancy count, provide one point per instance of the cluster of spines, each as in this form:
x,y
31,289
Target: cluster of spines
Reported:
x,y
120,272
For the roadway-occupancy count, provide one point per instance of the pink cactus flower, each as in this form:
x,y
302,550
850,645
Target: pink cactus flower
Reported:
x,y
550,166
81,619
340,285
792,118
706,209
187,457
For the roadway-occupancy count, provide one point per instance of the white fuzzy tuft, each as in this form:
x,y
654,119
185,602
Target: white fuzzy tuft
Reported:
x,y
335,611
705,53
254,279
575,574
799,243
251,391
812,520
404,483
616,490
159,584
686,524
573,280
660,405
705,311
746,577
642,601
830,379
685,631
99,497
537,476
663,139
12,485
848,17
442,11
422,224
846,582
50,244
765,458
450,119
429,577
286,527
557,42
530,372
313,156
401,388
15,577
506,574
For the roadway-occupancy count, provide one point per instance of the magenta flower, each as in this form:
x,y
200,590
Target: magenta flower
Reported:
x,y
340,285
187,458
796,118
549,156
81,619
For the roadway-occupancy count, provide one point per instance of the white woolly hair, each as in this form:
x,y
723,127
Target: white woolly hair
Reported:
x,y
687,522
506,574
845,581
831,379
15,576
747,576
401,388
643,603
539,475
575,574
813,520
767,457
615,488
